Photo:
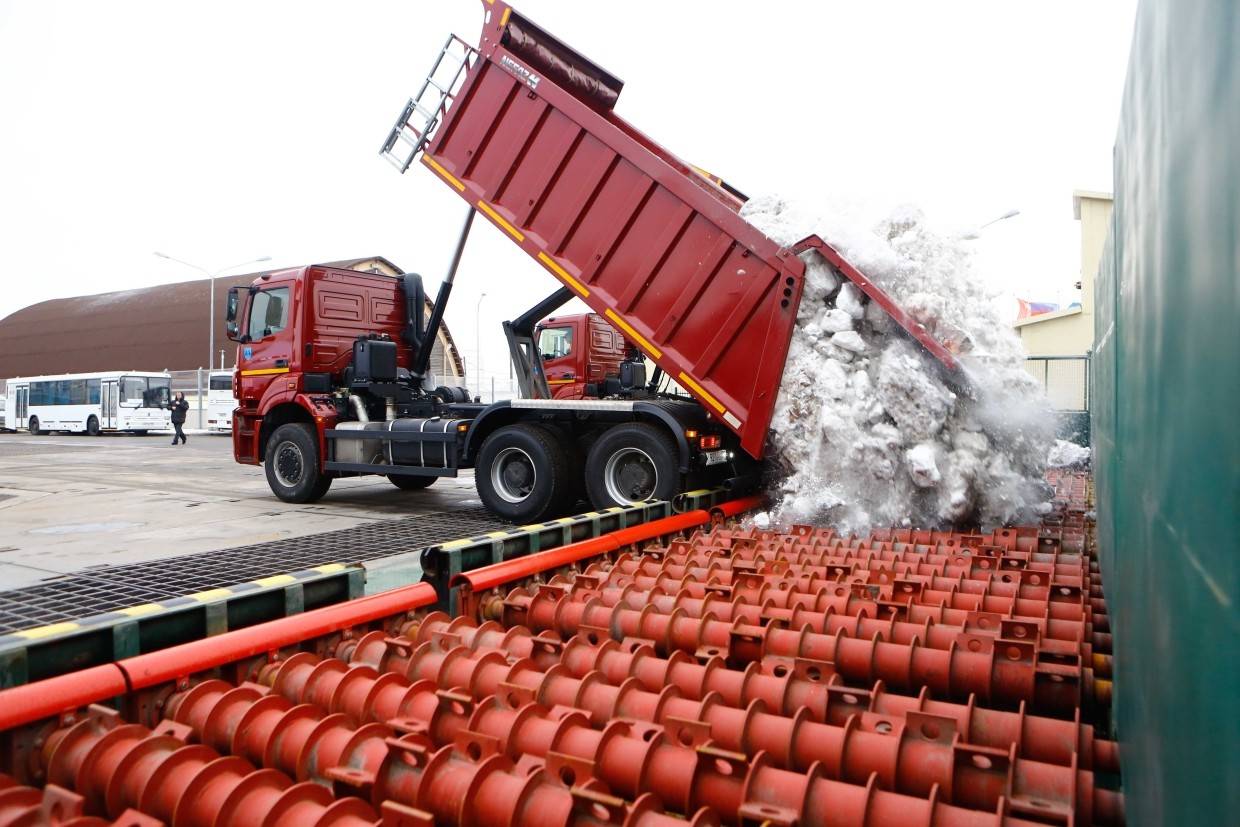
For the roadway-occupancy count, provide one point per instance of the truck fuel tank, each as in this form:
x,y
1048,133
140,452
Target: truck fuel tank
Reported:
x,y
427,443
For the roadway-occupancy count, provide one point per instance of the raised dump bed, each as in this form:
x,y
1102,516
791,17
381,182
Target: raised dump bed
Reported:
x,y
525,131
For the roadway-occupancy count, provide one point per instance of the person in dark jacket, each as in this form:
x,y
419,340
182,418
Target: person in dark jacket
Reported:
x,y
179,407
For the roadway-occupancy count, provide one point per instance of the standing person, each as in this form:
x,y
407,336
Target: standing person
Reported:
x,y
179,407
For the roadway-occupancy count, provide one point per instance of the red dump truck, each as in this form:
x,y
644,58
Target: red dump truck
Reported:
x,y
524,129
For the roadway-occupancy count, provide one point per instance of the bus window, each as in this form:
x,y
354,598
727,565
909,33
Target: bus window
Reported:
x,y
92,391
555,342
221,383
268,312
133,388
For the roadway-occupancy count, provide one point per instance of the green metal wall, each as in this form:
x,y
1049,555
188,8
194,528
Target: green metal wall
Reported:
x,y
1166,415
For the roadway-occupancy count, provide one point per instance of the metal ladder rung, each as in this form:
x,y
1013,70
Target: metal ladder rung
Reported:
x,y
446,55
401,164
428,116
404,137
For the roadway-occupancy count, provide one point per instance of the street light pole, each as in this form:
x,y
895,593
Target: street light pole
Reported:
x,y
976,232
478,341
211,276
211,314
1004,217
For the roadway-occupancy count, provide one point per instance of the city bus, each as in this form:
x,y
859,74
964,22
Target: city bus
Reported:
x,y
220,400
89,403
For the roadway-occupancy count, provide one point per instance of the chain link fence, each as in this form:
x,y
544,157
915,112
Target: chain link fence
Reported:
x,y
1066,382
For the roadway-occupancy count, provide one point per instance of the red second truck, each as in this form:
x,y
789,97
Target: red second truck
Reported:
x,y
333,376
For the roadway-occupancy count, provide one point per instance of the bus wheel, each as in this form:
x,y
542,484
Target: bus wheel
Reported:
x,y
292,465
92,426
34,426
522,474
632,463
408,482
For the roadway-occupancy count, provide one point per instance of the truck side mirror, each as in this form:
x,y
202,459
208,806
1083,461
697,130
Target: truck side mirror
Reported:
x,y
231,327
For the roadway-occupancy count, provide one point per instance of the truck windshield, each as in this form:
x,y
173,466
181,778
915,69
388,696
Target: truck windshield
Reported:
x,y
555,342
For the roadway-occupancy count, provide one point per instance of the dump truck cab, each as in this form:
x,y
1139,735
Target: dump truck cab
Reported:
x,y
295,331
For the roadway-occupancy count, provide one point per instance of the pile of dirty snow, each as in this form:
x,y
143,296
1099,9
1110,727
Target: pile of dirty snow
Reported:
x,y
866,432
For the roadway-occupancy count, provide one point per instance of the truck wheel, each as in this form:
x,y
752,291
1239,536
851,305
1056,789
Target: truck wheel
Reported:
x,y
292,465
522,474
405,482
34,426
632,463
92,426
575,453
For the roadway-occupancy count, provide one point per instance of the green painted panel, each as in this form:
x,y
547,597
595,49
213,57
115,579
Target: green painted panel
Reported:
x,y
1166,415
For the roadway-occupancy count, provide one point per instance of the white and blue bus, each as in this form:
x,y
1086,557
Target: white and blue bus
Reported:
x,y
220,400
89,403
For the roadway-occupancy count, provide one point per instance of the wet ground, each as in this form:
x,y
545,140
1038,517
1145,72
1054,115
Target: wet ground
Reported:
x,y
75,503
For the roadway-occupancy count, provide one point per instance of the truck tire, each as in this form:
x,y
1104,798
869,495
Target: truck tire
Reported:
x,y
632,463
523,474
406,482
292,464
575,453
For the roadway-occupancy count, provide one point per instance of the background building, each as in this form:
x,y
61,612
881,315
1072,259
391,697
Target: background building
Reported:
x,y
152,328
1058,343
1070,332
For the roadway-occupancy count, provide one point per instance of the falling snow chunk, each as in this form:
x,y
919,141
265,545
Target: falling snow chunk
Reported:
x,y
1064,454
849,340
849,300
922,466
835,320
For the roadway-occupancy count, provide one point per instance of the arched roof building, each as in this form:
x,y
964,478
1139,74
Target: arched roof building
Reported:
x,y
151,328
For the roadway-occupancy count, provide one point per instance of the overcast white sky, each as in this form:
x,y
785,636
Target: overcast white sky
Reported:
x,y
223,131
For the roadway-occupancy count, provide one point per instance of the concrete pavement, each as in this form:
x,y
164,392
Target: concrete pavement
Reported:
x,y
72,503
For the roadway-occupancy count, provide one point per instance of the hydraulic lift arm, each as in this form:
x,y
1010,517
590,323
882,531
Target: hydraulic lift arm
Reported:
x,y
523,350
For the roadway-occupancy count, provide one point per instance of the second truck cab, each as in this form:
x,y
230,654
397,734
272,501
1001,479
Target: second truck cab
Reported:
x,y
578,353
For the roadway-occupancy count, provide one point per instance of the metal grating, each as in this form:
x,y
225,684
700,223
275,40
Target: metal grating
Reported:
x,y
107,589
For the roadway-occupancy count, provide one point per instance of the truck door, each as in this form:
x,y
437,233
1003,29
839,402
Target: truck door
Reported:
x,y
556,343
269,351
